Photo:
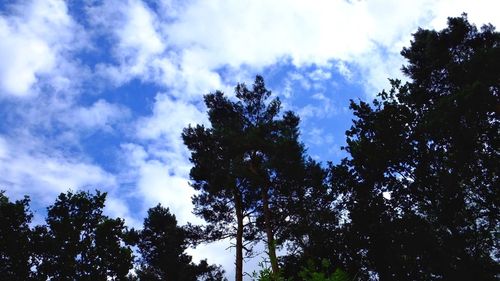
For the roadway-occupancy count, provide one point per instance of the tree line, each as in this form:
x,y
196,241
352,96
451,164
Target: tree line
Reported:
x,y
79,242
417,198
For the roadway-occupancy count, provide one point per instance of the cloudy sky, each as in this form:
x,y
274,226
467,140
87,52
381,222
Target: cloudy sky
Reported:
x,y
95,94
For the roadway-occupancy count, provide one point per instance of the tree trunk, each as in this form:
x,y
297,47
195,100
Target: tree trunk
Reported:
x,y
271,245
239,240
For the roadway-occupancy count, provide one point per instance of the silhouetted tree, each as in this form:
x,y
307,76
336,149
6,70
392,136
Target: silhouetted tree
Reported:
x,y
15,239
80,243
274,165
162,244
421,183
223,198
309,231
245,166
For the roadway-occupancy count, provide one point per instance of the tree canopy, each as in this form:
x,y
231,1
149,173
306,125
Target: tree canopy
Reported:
x,y
246,167
162,244
80,243
421,183
15,239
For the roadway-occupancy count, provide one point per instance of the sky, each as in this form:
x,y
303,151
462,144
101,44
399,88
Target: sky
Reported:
x,y
95,94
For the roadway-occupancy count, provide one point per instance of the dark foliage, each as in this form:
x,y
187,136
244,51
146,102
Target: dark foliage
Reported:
x,y
224,200
79,242
15,239
162,246
312,225
246,167
421,185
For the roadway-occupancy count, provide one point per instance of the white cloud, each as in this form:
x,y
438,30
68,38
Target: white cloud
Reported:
x,y
18,70
60,118
161,161
212,34
136,41
321,104
320,74
219,253
344,70
478,12
317,136
118,207
28,167
168,119
100,115
159,181
261,33
4,149
34,43
182,44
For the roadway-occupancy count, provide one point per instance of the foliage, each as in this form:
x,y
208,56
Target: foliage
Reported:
x,y
224,200
162,246
311,272
15,239
266,274
421,184
245,167
79,242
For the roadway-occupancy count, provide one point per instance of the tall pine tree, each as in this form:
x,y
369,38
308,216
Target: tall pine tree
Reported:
x,y
245,165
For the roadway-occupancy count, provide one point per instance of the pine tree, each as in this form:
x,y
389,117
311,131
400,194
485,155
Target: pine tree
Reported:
x,y
245,166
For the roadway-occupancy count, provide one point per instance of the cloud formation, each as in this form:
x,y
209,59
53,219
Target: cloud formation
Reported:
x,y
38,38
28,166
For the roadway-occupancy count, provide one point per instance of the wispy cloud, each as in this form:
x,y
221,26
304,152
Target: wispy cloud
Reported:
x,y
29,165
37,41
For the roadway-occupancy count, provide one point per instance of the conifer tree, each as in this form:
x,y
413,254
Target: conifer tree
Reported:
x,y
421,183
245,164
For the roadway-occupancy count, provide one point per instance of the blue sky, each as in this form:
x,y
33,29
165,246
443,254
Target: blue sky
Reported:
x,y
95,94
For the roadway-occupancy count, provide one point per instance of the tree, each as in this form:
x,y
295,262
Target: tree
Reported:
x,y
216,154
313,222
275,165
15,239
244,167
421,183
162,246
80,243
